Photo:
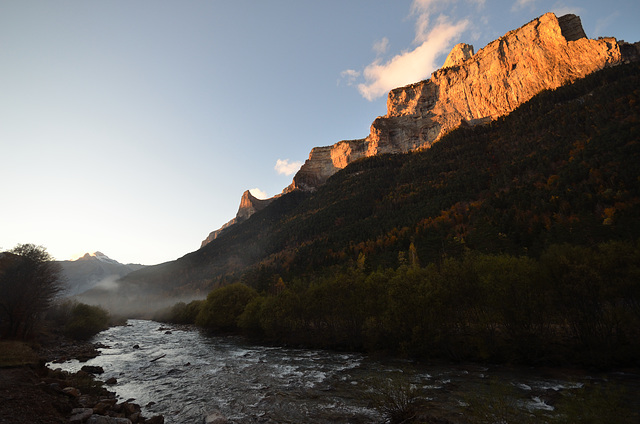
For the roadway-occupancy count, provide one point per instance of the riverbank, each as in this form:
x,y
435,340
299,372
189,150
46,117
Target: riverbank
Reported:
x,y
31,392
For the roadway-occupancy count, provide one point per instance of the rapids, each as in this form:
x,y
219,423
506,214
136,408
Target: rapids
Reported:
x,y
184,374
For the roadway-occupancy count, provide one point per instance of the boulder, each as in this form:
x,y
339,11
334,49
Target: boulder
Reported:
x,y
156,419
80,415
92,369
71,391
215,417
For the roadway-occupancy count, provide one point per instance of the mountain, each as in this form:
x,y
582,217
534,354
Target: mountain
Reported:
x,y
249,205
470,89
91,270
560,168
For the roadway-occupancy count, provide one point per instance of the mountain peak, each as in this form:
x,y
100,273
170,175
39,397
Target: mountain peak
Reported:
x,y
474,88
458,54
249,204
94,255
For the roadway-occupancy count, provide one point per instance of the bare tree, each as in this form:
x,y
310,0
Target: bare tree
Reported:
x,y
29,282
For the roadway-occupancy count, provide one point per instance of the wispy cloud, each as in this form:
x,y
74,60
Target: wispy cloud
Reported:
x,y
431,39
258,194
350,75
521,4
284,167
380,47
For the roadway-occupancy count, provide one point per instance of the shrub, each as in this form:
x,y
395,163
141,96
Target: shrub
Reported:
x,y
86,321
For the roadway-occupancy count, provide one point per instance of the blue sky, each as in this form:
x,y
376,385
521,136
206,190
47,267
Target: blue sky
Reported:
x,y
133,127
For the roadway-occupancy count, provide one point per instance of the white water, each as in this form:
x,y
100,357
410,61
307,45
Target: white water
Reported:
x,y
257,384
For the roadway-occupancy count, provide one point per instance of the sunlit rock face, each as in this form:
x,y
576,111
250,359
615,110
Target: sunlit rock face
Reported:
x,y
249,204
458,55
471,88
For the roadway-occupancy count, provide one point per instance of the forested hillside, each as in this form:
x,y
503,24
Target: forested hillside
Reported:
x,y
513,241
562,168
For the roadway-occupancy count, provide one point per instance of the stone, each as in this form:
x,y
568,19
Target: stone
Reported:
x,y
156,419
71,391
111,381
215,417
92,369
130,408
87,401
79,415
101,408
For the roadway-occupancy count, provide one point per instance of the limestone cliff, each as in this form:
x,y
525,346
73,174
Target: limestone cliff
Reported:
x,y
471,88
249,205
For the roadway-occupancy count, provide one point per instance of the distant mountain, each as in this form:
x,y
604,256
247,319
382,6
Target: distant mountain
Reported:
x,y
91,270
560,168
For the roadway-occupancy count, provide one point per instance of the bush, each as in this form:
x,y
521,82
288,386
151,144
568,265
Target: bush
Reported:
x,y
85,321
398,402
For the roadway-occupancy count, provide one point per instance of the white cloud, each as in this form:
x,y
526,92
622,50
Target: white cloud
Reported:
x,y
423,9
258,194
380,47
411,66
284,167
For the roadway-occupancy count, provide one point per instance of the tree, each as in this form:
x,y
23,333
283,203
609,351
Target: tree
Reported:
x,y
29,282
224,306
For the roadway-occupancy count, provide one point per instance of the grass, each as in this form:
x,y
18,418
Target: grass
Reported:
x,y
16,353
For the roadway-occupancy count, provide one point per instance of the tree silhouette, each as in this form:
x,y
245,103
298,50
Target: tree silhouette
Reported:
x,y
29,282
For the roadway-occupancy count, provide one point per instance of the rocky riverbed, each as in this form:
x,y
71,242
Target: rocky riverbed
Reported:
x,y
31,392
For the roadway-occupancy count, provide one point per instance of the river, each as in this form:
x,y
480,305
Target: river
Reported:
x,y
184,374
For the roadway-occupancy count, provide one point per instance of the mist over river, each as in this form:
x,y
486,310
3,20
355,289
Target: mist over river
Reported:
x,y
250,383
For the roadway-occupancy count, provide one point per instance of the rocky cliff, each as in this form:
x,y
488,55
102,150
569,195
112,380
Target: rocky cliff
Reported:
x,y
472,88
249,205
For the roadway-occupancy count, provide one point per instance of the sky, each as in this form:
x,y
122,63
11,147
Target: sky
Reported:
x,y
133,127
